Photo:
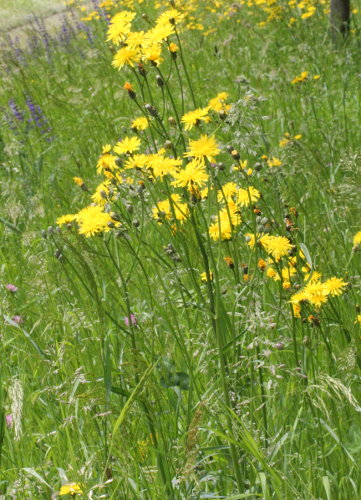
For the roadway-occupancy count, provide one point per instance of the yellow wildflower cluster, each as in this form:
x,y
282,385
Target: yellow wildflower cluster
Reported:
x,y
290,12
316,293
288,139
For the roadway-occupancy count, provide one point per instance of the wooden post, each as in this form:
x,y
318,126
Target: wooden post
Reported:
x,y
339,18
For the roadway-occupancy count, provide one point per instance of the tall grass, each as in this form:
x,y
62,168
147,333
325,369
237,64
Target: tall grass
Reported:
x,y
162,356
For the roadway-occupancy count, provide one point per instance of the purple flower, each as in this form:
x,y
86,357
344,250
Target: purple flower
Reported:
x,y
37,117
9,420
17,319
11,288
16,111
130,319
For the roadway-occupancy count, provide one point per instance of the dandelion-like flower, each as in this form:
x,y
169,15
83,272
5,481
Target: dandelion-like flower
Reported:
x,y
127,145
120,26
247,196
65,219
70,489
207,277
124,56
205,147
357,239
141,123
93,220
218,103
300,78
193,173
277,246
193,118
335,286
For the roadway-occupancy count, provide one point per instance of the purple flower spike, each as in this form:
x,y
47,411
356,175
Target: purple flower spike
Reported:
x,y
11,288
130,319
9,420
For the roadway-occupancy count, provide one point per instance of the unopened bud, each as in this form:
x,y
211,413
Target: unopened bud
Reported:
x,y
159,81
151,110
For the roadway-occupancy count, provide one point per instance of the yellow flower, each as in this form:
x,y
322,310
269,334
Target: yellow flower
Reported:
x,y
159,33
101,195
170,207
193,173
140,123
162,165
93,220
78,181
274,162
170,16
357,239
135,39
152,53
120,26
173,48
124,56
277,246
195,117
228,191
65,219
106,162
204,276
218,103
335,286
300,78
127,145
205,147
247,196
228,218
358,319
70,489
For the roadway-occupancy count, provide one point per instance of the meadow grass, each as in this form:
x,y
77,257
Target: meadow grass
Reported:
x,y
149,351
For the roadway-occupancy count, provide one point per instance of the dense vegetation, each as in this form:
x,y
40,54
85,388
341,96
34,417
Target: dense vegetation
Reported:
x,y
180,257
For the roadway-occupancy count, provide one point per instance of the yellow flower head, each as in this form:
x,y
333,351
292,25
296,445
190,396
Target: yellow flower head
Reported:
x,y
300,78
205,147
228,192
70,489
277,246
161,165
152,53
357,239
274,162
93,220
124,56
218,103
171,206
120,26
78,181
195,117
127,145
205,277
335,286
247,196
193,173
65,219
173,48
140,123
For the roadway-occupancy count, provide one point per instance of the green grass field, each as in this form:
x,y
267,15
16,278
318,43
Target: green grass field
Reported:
x,y
180,254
